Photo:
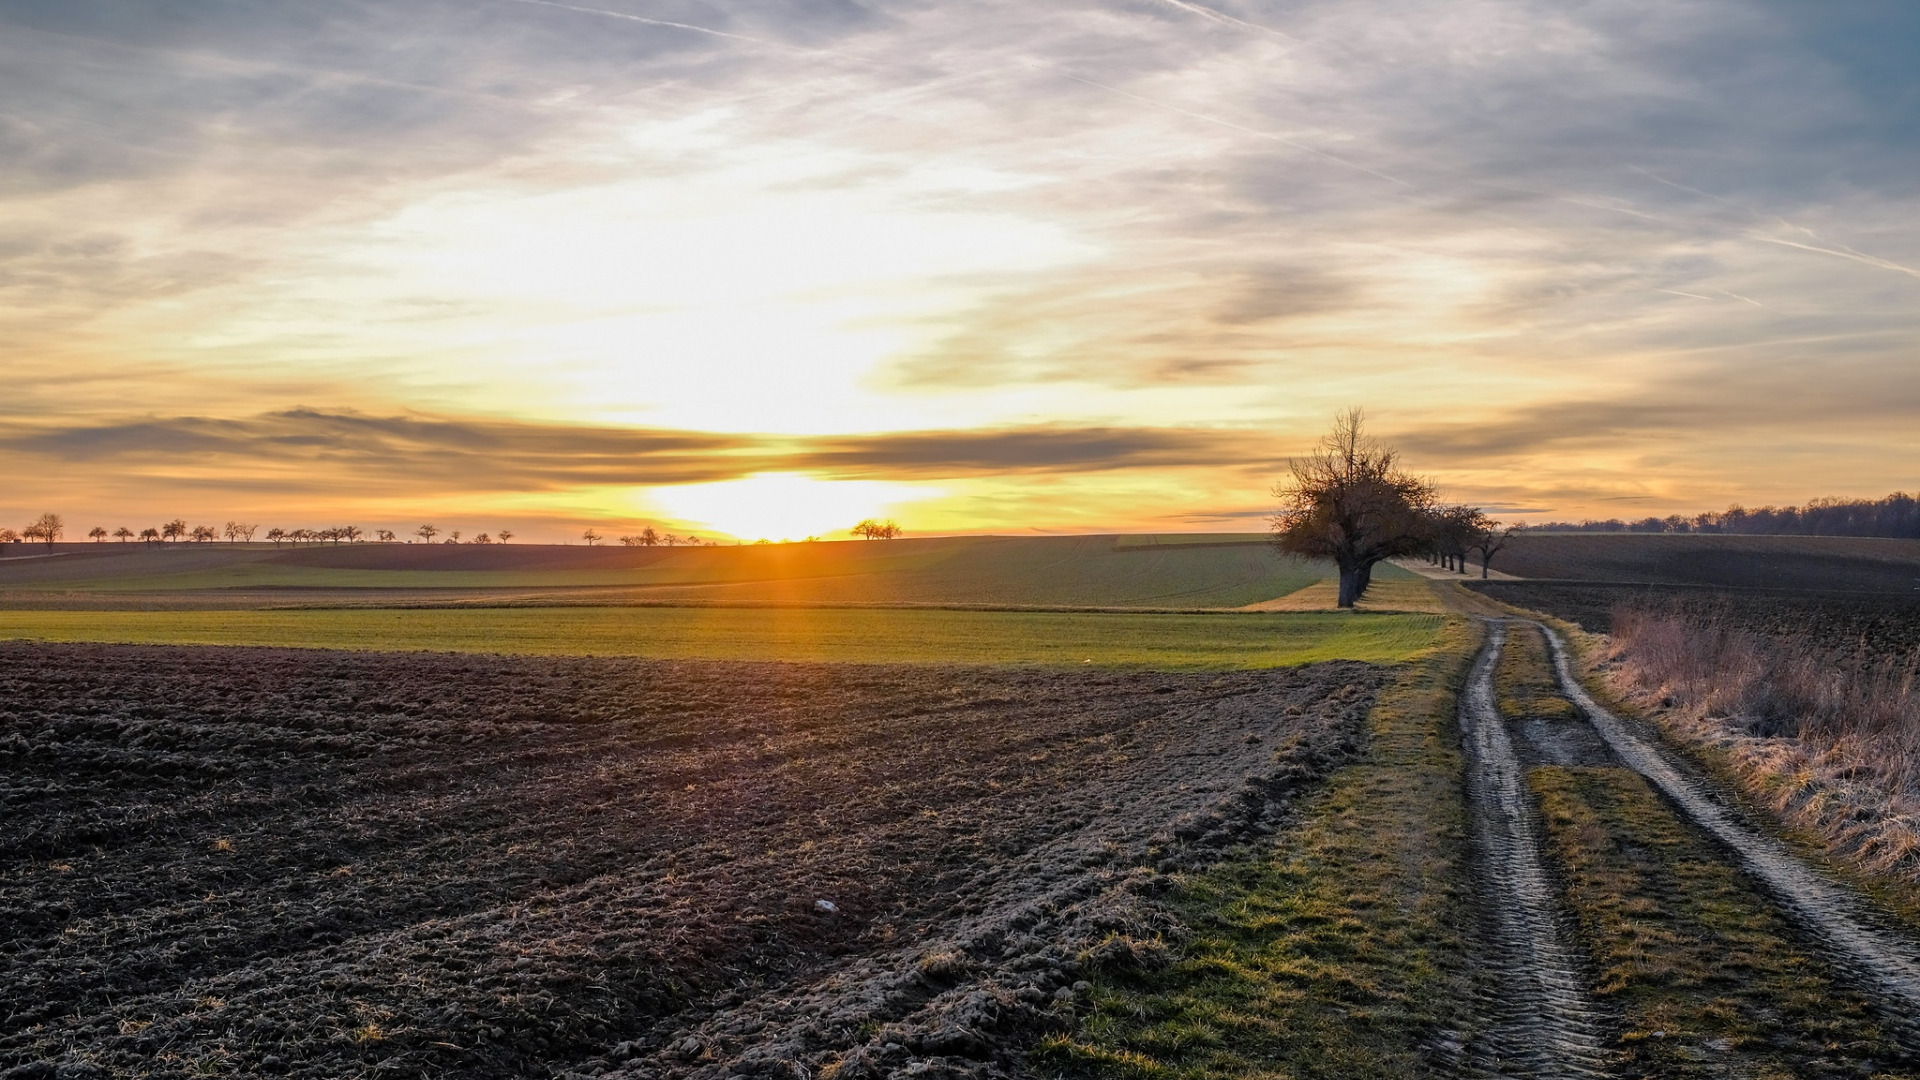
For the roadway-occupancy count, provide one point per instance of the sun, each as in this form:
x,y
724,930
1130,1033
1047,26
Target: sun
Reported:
x,y
786,506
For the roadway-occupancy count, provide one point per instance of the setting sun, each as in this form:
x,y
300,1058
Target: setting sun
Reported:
x,y
786,506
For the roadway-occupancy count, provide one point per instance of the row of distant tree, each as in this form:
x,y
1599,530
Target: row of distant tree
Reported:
x,y
1897,515
49,528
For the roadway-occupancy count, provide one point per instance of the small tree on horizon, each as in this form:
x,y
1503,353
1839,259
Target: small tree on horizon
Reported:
x,y
175,529
590,537
504,535
1351,502
149,536
276,535
426,533
98,532
47,528
123,534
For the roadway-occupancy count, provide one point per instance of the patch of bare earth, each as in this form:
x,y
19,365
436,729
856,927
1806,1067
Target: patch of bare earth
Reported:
x,y
309,864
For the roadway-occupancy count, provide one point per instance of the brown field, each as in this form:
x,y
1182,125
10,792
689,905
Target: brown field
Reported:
x,y
1821,563
312,864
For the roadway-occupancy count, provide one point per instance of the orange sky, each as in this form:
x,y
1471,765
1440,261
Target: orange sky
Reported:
x,y
982,267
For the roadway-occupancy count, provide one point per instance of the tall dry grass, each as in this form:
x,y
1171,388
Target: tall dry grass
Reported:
x,y
1827,738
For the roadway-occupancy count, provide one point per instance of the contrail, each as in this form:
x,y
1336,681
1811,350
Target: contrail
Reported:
x,y
652,22
1693,295
1225,19
1236,127
1842,252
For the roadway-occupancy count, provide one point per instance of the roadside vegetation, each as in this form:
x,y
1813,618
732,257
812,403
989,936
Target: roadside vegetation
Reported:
x,y
1341,951
1826,738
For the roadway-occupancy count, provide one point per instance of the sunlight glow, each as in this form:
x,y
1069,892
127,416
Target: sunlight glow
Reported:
x,y
787,506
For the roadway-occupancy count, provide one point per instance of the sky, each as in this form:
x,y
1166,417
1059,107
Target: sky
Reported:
x,y
762,268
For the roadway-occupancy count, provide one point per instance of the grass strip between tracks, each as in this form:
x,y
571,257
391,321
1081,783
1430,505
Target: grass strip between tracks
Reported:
x,y
1166,642
1340,953
1703,969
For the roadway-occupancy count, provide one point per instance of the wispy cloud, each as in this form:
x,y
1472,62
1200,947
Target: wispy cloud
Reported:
x,y
1631,249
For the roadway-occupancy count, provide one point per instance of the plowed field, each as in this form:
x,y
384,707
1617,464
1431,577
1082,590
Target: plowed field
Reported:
x,y
314,864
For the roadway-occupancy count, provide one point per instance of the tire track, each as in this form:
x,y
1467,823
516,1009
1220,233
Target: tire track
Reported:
x,y
1828,911
1546,1024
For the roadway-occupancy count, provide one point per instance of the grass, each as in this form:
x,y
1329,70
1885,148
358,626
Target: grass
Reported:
x,y
1173,642
1523,683
1703,970
1060,571
1338,954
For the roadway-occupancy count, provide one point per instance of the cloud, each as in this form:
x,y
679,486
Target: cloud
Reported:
x,y
341,449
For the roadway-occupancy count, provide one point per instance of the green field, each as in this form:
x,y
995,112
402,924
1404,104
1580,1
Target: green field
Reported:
x,y
1173,642
1168,571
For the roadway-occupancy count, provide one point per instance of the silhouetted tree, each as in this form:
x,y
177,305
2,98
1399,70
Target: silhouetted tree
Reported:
x,y
590,537
871,529
649,538
483,538
123,534
350,533
385,536
1489,540
149,536
506,535
175,529
8,536
98,532
47,529
276,535
426,533
205,533
1351,502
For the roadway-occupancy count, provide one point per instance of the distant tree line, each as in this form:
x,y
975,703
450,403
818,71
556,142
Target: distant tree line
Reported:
x,y
1897,515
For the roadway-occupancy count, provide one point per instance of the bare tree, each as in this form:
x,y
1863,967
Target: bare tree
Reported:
x,y
205,533
505,535
385,536
350,533
871,529
426,533
590,537
8,536
149,536
483,538
123,534
1488,542
175,529
47,528
98,532
232,531
1351,502
1451,532
649,538
276,535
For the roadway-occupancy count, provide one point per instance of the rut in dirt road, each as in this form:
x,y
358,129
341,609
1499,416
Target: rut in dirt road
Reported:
x,y
1547,1025
1829,912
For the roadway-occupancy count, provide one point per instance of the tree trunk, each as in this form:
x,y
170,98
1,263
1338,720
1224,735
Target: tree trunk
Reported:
x,y
1484,561
1350,586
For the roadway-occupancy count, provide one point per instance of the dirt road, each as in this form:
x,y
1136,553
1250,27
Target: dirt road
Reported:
x,y
1546,1023
1584,883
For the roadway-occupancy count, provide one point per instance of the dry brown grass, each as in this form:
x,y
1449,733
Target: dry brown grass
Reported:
x,y
1827,739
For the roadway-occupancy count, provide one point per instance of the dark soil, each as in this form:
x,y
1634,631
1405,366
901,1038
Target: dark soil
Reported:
x,y
1821,563
1875,625
267,862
